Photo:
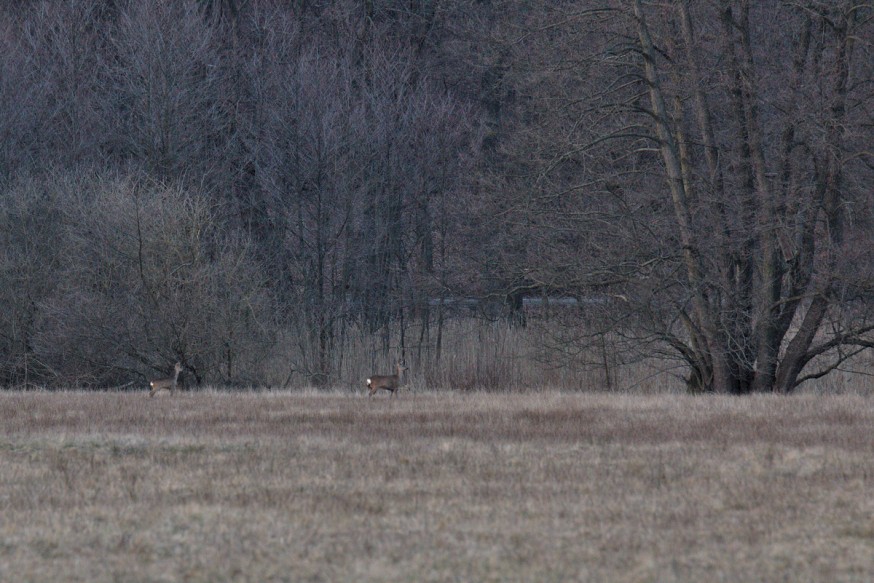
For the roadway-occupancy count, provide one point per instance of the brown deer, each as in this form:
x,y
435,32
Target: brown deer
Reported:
x,y
168,384
390,383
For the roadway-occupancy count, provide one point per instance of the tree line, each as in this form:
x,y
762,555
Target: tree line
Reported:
x,y
251,188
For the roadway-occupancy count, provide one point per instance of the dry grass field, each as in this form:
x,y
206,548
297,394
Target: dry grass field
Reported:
x,y
541,486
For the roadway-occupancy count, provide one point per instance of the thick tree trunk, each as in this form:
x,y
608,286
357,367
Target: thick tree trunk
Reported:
x,y
722,379
798,352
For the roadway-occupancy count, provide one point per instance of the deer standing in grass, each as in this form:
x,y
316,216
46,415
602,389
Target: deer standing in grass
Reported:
x,y
168,384
390,383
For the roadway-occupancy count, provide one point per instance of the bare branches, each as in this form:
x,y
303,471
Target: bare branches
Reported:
x,y
697,175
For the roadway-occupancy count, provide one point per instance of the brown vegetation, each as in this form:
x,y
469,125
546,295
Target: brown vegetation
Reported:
x,y
440,486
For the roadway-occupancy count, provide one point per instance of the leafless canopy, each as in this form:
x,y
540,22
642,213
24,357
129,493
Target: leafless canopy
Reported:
x,y
289,192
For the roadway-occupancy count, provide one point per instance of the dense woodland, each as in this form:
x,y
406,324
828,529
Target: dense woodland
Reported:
x,y
264,190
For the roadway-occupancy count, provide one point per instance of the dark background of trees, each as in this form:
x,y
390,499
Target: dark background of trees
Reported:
x,y
266,190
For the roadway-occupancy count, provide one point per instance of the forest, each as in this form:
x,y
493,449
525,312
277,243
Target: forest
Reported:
x,y
499,193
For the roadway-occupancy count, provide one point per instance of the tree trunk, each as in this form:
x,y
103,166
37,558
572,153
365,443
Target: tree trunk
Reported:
x,y
722,378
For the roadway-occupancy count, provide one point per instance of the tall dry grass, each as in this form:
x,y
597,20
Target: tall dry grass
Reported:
x,y
479,354
541,486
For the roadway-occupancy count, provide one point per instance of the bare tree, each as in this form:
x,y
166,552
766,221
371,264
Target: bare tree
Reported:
x,y
32,258
706,175
164,91
148,279
356,144
51,77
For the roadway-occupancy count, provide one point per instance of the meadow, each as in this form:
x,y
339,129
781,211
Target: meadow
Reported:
x,y
435,486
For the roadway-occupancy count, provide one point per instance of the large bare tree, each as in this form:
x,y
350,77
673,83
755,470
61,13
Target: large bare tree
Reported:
x,y
706,167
